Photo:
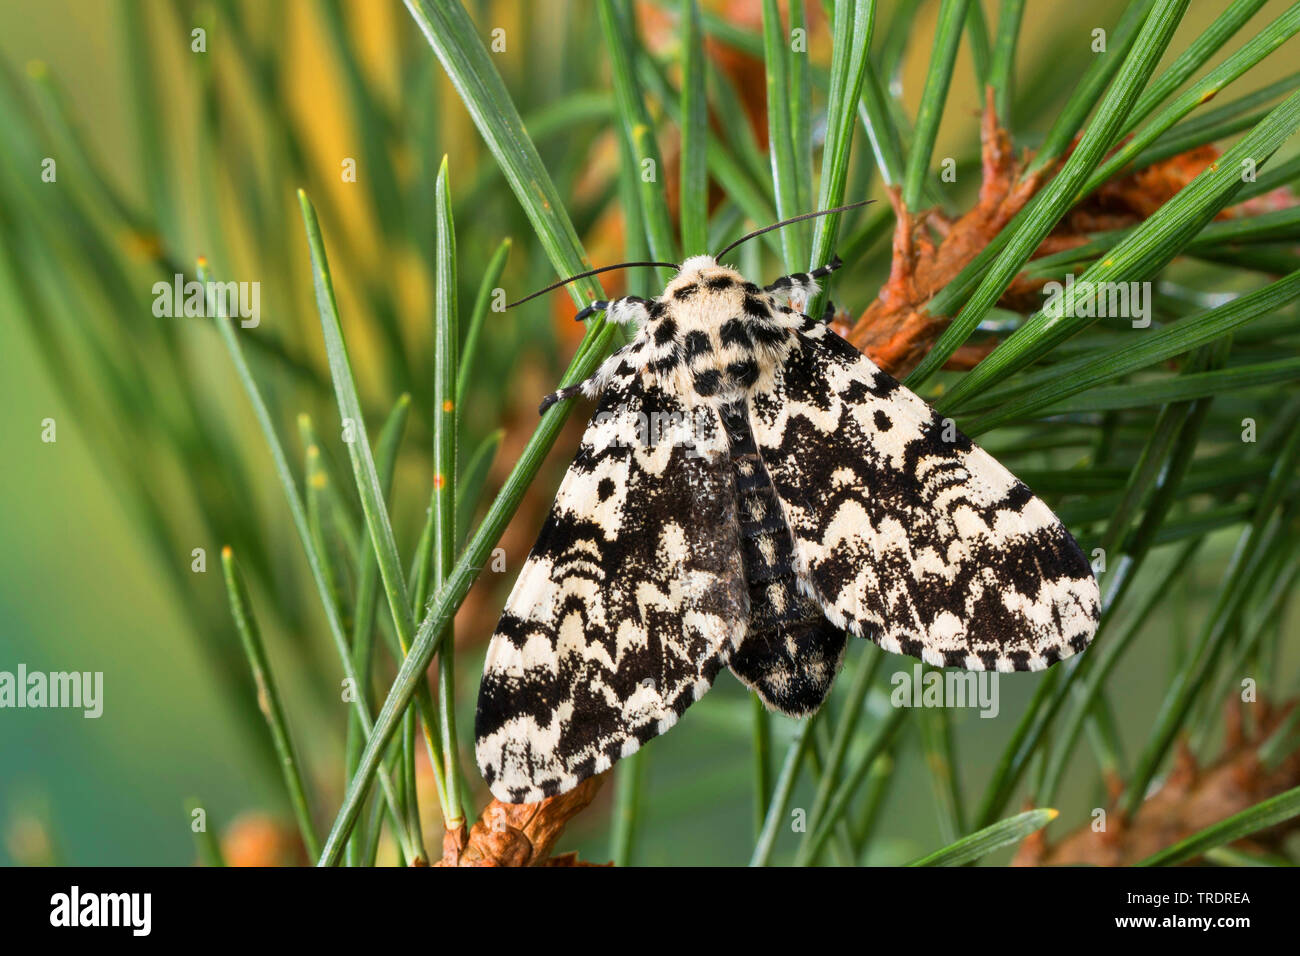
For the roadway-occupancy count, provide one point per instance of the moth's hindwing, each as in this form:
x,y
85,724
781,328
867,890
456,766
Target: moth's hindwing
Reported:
x,y
906,532
631,601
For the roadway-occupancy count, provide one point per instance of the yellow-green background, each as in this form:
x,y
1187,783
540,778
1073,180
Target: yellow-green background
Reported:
x,y
79,591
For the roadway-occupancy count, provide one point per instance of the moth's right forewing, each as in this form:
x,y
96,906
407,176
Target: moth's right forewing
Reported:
x,y
906,532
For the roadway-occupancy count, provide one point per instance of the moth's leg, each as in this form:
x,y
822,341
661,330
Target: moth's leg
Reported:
x,y
591,387
630,308
802,284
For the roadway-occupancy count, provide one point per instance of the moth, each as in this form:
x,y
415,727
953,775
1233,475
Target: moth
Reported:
x,y
790,495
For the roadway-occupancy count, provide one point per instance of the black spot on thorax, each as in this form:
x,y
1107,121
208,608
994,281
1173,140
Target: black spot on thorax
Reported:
x,y
767,333
697,343
734,333
743,373
708,382
756,307
667,363
665,331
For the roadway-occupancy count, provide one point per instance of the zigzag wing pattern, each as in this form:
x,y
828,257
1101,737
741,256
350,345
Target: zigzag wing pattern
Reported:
x,y
905,531
632,600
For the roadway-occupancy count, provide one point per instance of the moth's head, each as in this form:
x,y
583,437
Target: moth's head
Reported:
x,y
696,271
697,264
700,270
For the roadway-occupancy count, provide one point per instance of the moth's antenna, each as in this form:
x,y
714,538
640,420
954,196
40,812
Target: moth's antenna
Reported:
x,y
591,272
786,222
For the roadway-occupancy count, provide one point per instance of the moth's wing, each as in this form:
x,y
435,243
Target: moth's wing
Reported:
x,y
905,531
631,601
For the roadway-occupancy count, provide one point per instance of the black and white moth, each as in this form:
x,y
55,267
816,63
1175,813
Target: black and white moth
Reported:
x,y
806,497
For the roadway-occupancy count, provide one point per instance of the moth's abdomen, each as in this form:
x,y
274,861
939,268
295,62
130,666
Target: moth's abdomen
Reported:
x,y
790,653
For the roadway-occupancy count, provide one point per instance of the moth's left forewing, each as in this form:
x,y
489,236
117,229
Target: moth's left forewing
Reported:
x,y
908,533
630,602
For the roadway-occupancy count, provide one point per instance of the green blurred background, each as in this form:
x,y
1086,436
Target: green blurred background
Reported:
x,y
81,587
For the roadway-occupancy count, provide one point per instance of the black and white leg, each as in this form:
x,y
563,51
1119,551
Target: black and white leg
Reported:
x,y
802,285
630,308
616,364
